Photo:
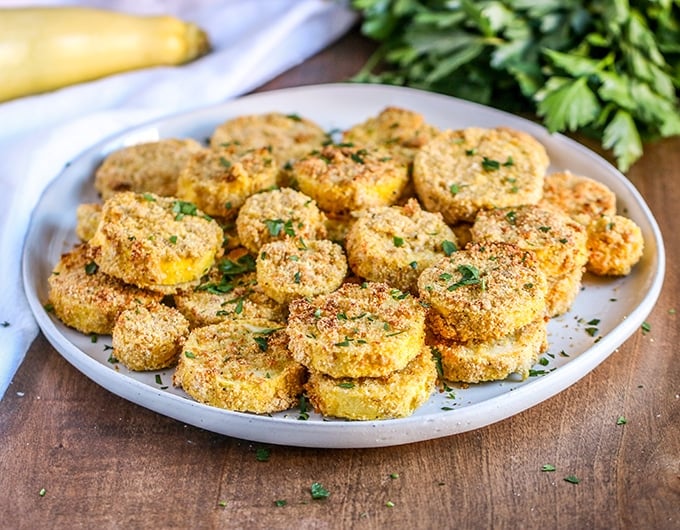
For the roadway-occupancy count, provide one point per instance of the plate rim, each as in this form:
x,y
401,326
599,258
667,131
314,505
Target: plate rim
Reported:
x,y
387,432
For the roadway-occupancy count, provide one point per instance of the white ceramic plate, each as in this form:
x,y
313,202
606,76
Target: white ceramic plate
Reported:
x,y
620,305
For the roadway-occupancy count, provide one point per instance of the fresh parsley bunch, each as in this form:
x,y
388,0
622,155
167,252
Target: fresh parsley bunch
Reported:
x,y
608,68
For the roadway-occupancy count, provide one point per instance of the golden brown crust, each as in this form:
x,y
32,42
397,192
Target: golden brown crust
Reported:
x,y
85,298
155,242
615,245
343,179
396,395
289,137
367,330
483,292
279,214
401,131
477,361
581,198
241,365
291,268
394,244
151,167
149,338
461,172
219,181
87,220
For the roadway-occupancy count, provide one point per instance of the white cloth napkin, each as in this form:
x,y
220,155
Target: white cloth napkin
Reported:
x,y
253,41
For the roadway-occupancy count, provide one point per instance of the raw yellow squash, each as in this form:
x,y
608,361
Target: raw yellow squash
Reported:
x,y
45,48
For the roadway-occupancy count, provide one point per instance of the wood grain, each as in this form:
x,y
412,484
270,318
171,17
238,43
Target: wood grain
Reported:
x,y
106,463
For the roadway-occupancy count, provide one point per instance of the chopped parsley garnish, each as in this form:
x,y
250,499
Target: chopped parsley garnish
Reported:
x,y
448,247
91,268
347,384
225,163
511,217
490,165
262,454
280,502
454,189
573,479
646,327
276,226
182,208
548,467
189,354
470,276
621,420
173,240
318,491
398,241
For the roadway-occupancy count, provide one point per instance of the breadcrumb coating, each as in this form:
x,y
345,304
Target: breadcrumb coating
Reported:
x,y
291,268
343,179
615,245
219,181
241,365
155,242
394,244
149,338
581,198
151,167
88,216
493,360
83,297
463,171
484,292
396,395
279,214
367,330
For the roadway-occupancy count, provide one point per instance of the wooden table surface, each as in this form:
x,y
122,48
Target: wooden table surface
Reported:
x,y
73,455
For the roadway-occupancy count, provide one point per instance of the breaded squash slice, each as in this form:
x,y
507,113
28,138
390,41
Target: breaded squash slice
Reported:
x,y
242,365
401,131
367,330
492,360
484,292
149,338
557,241
581,198
218,181
279,214
292,268
463,171
396,395
222,296
154,242
615,245
342,179
289,137
394,244
83,297
88,216
151,167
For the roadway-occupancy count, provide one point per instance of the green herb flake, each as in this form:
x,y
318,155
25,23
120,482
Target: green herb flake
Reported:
x,y
42,492
318,491
173,240
448,247
394,476
346,384
621,420
490,165
548,467
389,504
91,268
262,454
470,276
572,479
398,241
280,503
189,354
183,208
646,327
454,189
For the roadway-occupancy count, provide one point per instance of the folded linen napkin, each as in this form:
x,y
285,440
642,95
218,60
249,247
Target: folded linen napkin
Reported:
x,y
253,41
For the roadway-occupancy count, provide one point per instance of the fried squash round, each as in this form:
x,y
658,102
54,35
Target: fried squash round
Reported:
x,y
149,338
367,330
463,171
241,365
292,268
155,242
83,297
151,167
493,360
394,244
342,179
396,395
484,292
218,181
279,214
615,245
